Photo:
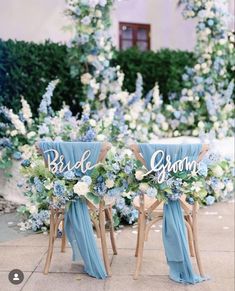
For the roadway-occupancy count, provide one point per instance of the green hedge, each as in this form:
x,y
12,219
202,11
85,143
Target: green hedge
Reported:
x,y
165,66
26,68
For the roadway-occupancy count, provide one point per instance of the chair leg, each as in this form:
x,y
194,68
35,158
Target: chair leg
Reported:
x,y
63,239
95,223
190,238
138,237
51,243
195,239
103,238
141,240
111,229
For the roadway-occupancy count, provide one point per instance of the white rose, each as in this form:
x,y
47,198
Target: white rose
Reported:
x,y
31,134
165,126
86,78
101,137
109,183
218,171
143,187
98,13
201,124
33,209
197,67
13,132
81,188
139,175
92,122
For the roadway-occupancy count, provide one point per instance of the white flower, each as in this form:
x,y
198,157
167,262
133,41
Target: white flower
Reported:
x,y
196,186
26,110
218,171
33,209
139,175
86,78
229,186
109,183
101,137
165,126
19,125
92,122
98,13
197,67
31,134
81,188
13,132
143,187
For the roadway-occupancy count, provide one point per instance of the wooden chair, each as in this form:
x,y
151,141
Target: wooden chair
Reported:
x,y
151,210
101,215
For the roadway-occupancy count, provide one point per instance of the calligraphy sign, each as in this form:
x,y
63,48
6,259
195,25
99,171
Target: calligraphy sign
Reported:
x,y
162,169
57,164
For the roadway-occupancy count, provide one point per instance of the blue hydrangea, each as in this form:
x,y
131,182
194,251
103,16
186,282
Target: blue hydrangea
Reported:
x,y
39,219
38,184
25,163
210,200
59,188
87,179
202,169
69,175
17,155
114,191
151,192
120,203
190,200
5,142
89,135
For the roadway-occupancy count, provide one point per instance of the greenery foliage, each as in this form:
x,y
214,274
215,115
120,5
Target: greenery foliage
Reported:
x,y
165,67
26,68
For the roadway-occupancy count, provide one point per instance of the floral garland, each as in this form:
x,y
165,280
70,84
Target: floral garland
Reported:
x,y
120,177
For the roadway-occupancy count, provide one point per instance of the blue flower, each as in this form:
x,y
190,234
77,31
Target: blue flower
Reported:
x,y
128,169
38,184
25,163
87,179
151,192
115,191
202,169
59,188
210,200
16,155
210,22
69,175
5,142
189,200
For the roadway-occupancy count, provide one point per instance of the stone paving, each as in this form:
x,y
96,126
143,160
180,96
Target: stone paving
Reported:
x,y
27,252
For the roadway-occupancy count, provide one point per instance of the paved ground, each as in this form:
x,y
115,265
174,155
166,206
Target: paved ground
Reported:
x,y
216,227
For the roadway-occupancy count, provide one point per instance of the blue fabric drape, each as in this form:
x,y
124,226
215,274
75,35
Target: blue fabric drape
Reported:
x,y
78,227
173,231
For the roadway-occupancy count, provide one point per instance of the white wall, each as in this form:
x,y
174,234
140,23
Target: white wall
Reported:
x,y
168,28
38,20
33,20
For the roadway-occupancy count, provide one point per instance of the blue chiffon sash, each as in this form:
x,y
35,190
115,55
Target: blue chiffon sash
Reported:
x,y
174,233
78,227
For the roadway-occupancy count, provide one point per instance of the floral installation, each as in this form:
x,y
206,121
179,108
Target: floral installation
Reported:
x,y
17,130
206,102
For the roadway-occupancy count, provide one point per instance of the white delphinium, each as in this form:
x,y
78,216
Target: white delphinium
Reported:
x,y
26,110
18,124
